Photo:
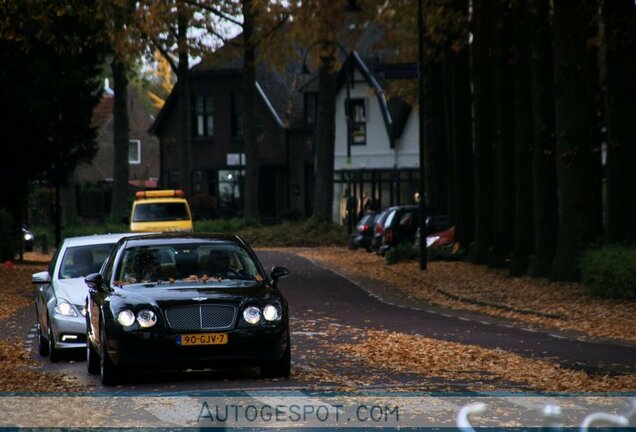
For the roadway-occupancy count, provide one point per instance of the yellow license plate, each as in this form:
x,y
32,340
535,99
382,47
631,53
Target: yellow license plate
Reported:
x,y
202,339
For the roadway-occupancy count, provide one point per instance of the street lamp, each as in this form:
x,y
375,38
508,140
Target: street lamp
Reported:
x,y
306,71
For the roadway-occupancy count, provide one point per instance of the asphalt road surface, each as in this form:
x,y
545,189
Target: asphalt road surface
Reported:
x,y
321,300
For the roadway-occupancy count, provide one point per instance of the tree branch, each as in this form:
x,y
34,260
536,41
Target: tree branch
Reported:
x,y
214,11
165,54
272,30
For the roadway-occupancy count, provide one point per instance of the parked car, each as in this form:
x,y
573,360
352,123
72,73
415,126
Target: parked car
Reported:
x,y
399,226
378,230
361,237
438,223
60,295
440,238
179,300
28,237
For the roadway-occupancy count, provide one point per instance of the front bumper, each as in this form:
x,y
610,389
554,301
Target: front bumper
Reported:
x,y
68,332
158,348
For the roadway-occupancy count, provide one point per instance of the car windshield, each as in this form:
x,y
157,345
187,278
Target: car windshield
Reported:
x,y
157,212
80,261
194,262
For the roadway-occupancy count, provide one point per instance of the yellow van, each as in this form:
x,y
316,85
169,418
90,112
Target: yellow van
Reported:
x,y
161,210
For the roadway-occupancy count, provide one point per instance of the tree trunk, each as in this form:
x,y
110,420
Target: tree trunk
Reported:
x,y
578,162
546,215
483,127
462,147
524,232
183,97
619,18
503,145
436,158
249,103
119,205
325,139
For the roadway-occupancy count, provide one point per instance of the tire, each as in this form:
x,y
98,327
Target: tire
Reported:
x,y
54,353
281,368
92,359
107,370
43,343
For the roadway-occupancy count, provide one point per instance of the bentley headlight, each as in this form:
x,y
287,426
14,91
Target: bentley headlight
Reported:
x,y
270,313
126,318
252,314
65,308
146,318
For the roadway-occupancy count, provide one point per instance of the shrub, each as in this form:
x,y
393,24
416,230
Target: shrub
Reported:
x,y
610,271
402,252
448,252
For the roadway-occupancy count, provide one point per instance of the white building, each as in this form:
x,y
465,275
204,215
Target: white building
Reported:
x,y
384,162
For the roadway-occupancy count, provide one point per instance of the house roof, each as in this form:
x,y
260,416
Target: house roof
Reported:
x,y
281,89
277,87
103,111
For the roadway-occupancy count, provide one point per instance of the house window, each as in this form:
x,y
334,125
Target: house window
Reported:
x,y
311,108
358,122
238,118
134,152
203,118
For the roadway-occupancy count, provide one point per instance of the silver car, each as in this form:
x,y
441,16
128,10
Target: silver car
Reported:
x,y
61,292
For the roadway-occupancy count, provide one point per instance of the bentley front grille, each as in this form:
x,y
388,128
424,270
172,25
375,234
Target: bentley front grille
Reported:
x,y
201,317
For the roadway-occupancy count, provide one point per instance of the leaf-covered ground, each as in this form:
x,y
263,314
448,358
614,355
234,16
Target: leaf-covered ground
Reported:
x,y
461,285
18,373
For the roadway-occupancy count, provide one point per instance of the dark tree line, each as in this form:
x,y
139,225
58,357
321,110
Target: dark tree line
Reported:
x,y
51,55
553,93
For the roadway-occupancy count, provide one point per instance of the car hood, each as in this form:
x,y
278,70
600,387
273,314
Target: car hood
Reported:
x,y
165,295
74,290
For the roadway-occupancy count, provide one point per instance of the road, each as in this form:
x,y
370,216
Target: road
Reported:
x,y
326,309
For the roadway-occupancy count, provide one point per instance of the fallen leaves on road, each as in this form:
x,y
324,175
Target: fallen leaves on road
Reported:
x,y
19,374
459,285
427,357
16,290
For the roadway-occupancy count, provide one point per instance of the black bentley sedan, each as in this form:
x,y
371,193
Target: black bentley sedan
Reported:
x,y
185,300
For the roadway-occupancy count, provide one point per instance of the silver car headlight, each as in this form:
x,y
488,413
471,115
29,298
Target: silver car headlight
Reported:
x,y
65,308
146,318
126,318
252,314
270,313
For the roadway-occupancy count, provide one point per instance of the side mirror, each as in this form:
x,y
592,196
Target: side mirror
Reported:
x,y
41,278
278,272
94,281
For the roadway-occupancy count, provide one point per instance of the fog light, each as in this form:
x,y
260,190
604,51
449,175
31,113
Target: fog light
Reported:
x,y
69,338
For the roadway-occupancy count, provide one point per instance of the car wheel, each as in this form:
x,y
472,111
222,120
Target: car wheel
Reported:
x,y
54,353
107,369
92,359
281,368
43,344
